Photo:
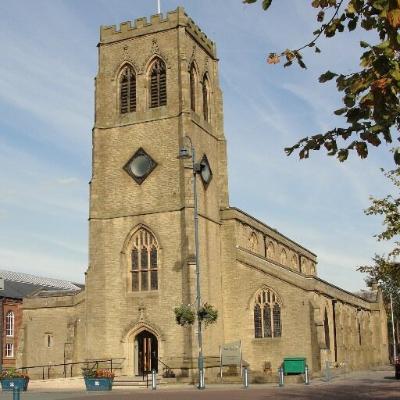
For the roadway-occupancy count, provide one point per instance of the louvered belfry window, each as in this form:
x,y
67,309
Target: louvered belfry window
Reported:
x,y
158,84
128,90
267,315
205,98
144,261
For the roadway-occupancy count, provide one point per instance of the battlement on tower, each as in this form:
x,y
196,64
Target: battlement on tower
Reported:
x,y
158,22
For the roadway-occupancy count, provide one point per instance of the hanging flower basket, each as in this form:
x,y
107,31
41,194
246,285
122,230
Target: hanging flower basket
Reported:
x,y
207,314
184,315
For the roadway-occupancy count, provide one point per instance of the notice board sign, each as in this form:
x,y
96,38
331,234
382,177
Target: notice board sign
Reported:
x,y
231,354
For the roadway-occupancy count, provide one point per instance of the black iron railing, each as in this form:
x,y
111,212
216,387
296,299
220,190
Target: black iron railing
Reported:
x,y
48,371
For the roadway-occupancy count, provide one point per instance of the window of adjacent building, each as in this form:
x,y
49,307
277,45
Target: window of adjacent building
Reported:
x,y
267,315
144,261
326,329
205,90
127,98
158,84
192,77
10,319
9,350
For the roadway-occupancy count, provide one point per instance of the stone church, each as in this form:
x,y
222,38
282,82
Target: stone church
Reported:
x,y
158,84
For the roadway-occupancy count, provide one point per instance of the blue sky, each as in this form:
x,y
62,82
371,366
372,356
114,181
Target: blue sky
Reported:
x,y
48,63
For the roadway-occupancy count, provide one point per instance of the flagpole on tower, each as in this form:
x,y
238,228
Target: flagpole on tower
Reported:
x,y
159,6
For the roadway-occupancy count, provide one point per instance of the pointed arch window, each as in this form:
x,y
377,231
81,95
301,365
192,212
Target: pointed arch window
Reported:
x,y
267,315
158,84
144,261
127,94
192,77
10,321
205,90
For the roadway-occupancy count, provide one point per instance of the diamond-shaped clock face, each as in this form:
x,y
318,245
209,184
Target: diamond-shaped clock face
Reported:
x,y
205,171
139,166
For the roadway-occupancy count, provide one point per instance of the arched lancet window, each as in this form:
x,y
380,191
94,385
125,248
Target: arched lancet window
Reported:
x,y
193,81
158,84
326,329
127,96
144,261
253,242
295,263
270,250
267,315
283,257
205,90
10,319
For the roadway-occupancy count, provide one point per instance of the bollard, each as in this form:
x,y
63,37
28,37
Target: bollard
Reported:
x,y
245,378
281,378
16,393
307,377
201,379
153,380
327,371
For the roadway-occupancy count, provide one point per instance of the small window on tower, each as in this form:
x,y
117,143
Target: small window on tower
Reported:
x,y
48,338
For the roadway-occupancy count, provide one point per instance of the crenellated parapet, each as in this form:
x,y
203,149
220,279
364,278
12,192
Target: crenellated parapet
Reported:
x,y
157,23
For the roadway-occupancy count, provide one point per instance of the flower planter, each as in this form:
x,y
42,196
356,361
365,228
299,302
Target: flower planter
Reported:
x,y
8,384
97,384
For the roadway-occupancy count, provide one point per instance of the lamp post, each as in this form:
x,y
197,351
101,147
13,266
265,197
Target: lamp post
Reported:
x,y
196,168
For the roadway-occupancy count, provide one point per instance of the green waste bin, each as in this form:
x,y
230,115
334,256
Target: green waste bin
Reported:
x,y
294,365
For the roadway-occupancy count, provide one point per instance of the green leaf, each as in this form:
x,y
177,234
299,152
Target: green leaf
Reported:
x,y
301,63
364,44
396,156
340,111
266,4
327,76
352,24
317,50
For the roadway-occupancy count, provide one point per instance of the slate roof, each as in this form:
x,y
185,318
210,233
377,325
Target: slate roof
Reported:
x,y
18,285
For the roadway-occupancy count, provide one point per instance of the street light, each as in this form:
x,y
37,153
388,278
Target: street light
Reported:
x,y
196,168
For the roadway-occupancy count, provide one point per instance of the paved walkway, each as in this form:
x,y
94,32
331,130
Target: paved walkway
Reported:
x,y
374,385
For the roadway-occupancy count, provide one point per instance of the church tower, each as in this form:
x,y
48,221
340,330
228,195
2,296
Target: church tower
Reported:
x,y
157,89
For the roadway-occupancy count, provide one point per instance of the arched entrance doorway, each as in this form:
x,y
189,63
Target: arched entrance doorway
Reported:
x,y
146,353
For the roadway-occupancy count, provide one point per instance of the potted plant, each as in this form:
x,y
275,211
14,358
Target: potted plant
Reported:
x,y
98,379
11,378
184,315
208,314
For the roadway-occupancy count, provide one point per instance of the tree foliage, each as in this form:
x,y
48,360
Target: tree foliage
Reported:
x,y
385,270
371,107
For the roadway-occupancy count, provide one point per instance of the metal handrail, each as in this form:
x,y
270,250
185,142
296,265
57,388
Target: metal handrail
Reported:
x,y
71,364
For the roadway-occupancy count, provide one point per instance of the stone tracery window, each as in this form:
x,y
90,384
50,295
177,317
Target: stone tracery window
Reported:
x,y
10,320
127,99
144,261
267,315
158,84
